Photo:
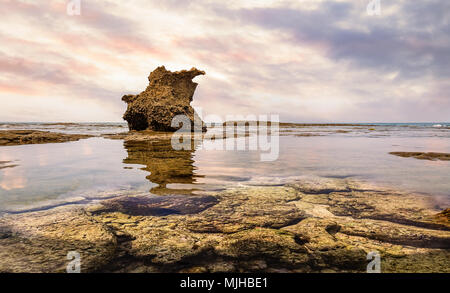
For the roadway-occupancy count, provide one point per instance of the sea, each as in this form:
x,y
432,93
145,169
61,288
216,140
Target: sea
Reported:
x,y
44,176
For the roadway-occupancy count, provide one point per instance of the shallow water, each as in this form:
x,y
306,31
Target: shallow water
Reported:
x,y
48,175
70,128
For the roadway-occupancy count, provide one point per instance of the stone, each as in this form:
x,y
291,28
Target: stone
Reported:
x,y
423,156
330,228
20,137
245,208
168,94
319,185
158,205
39,242
443,217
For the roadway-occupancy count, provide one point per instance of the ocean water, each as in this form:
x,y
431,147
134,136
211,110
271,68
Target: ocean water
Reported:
x,y
43,176
70,128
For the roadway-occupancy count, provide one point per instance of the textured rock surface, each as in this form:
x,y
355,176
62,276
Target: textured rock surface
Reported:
x,y
18,137
290,228
423,156
310,225
444,217
40,241
167,95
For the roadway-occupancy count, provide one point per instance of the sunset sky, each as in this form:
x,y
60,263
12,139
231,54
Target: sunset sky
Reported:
x,y
308,61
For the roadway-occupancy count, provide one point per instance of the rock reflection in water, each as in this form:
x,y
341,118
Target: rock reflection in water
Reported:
x,y
166,165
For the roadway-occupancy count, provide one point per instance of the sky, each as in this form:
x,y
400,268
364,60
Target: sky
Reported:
x,y
307,61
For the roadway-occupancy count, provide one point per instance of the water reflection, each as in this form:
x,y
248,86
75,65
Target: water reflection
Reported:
x,y
166,165
51,174
41,175
12,178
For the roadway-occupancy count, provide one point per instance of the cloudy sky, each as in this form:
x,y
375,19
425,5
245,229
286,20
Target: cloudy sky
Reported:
x,y
308,61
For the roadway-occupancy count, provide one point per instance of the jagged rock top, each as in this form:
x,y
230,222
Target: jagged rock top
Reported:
x,y
161,74
167,95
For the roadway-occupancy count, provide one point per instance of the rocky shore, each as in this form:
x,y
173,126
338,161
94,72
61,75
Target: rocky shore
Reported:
x,y
310,224
20,137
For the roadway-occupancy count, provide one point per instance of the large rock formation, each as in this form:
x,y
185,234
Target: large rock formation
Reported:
x,y
167,95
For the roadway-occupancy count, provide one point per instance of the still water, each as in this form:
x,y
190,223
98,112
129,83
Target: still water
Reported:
x,y
47,175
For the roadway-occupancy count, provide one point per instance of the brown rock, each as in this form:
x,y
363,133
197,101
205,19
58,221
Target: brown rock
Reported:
x,y
423,156
315,225
444,217
167,95
39,242
19,137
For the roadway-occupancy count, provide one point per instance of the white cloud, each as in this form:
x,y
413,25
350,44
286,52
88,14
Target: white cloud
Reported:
x,y
308,61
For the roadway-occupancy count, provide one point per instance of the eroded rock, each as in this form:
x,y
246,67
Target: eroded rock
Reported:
x,y
39,242
326,225
167,95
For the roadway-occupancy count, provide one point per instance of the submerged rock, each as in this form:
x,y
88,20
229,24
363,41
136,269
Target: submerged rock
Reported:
x,y
159,206
167,95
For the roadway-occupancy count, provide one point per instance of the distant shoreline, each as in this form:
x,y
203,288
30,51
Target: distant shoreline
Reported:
x,y
281,123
